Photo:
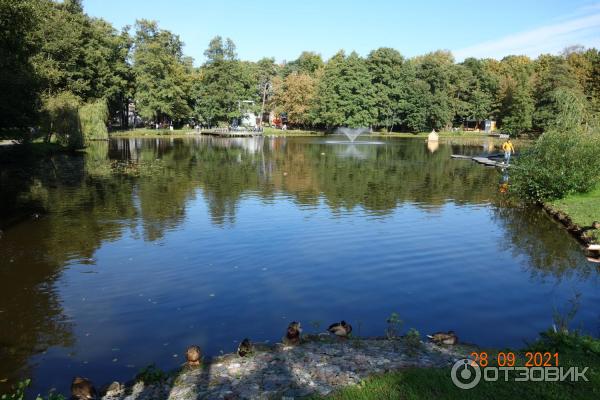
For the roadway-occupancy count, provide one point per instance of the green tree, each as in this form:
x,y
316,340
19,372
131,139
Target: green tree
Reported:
x,y
61,118
162,78
266,72
307,63
390,80
18,80
437,69
551,73
516,93
224,81
345,96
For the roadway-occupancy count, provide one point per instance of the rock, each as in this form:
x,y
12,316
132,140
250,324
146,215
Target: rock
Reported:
x,y
313,367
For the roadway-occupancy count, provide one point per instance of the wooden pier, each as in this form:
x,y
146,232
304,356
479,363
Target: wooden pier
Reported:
x,y
487,161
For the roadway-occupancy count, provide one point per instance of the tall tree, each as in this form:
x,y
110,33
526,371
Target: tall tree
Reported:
x,y
18,80
307,63
224,82
161,76
516,92
552,73
345,94
390,82
266,71
294,96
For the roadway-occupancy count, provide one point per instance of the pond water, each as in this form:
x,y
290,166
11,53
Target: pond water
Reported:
x,y
123,257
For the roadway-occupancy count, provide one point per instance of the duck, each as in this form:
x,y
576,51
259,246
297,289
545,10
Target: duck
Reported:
x,y
193,355
448,338
245,348
83,389
340,329
292,336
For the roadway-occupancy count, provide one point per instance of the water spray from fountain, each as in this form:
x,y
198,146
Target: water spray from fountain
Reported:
x,y
351,133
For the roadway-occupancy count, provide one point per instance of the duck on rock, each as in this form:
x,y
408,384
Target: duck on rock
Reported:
x,y
448,338
340,329
193,355
83,389
292,335
245,348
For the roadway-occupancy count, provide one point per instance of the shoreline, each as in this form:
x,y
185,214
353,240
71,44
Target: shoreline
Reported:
x,y
576,230
319,366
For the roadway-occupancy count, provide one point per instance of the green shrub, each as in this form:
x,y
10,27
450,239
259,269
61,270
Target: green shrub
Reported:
x,y
151,374
93,118
412,339
394,326
558,164
60,117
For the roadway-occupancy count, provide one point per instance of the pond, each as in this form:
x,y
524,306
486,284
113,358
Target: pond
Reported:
x,y
124,256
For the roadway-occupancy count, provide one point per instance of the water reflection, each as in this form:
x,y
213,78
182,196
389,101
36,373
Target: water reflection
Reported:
x,y
143,242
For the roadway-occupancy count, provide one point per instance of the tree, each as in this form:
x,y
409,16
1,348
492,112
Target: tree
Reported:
x,y
307,63
161,76
224,82
294,96
390,81
266,71
551,73
481,90
19,96
516,93
436,69
345,96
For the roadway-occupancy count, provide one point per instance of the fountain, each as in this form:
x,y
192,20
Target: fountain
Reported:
x,y
352,133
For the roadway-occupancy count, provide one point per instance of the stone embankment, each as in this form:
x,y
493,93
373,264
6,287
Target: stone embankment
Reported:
x,y
318,365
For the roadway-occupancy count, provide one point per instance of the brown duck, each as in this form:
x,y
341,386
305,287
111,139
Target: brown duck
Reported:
x,y
193,355
83,389
292,335
245,348
340,329
448,338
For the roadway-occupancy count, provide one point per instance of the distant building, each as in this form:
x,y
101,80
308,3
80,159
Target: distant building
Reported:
x,y
248,117
487,125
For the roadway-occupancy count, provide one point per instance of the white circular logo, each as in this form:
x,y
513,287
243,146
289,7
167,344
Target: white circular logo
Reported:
x,y
465,374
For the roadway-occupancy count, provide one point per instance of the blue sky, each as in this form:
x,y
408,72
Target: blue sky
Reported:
x,y
283,29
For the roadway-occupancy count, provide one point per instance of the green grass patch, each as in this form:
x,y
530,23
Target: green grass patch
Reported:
x,y
582,208
291,132
435,383
147,132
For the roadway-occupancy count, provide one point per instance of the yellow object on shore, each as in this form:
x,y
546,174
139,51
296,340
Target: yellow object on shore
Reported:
x,y
508,146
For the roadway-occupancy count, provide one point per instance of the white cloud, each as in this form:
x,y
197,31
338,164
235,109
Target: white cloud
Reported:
x,y
546,39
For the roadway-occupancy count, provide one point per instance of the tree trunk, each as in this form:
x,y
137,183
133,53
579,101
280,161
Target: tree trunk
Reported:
x,y
262,109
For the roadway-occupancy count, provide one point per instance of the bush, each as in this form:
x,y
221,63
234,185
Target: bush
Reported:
x,y
60,117
558,164
93,118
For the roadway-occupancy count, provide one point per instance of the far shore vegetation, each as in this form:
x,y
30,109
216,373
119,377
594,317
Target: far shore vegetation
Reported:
x,y
69,78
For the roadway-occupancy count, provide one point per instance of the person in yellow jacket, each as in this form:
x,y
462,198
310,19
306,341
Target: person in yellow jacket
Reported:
x,y
508,149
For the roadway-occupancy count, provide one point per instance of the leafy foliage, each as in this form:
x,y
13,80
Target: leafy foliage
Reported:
x,y
413,343
394,326
93,118
558,164
50,47
61,117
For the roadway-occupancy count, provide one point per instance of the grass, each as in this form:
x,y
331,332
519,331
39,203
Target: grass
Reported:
x,y
147,132
435,383
582,208
291,132
299,132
